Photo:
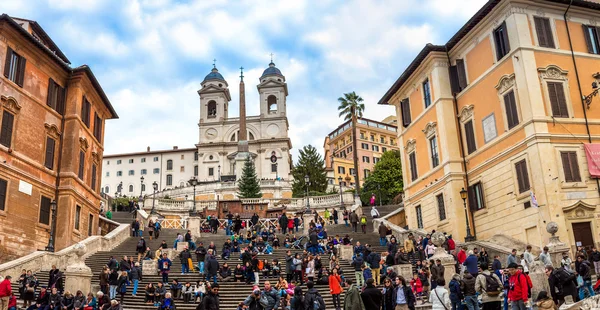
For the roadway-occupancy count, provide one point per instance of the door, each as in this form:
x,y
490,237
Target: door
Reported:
x,y
583,233
533,236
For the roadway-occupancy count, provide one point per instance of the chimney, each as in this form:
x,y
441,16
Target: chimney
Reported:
x,y
148,149
175,147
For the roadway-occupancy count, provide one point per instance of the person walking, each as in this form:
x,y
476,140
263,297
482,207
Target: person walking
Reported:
x,y
335,216
164,266
383,231
354,220
372,200
403,296
335,288
371,296
141,248
363,223
595,259
211,299
439,297
5,292
313,299
374,212
512,257
212,267
437,272
352,299
518,288
136,276
345,216
585,271
489,286
113,281
183,258
471,264
388,292
455,292
467,286
562,283
374,260
357,263
545,257
157,229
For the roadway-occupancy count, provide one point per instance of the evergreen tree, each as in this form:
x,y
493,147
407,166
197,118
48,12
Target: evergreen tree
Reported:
x,y
248,186
312,164
385,180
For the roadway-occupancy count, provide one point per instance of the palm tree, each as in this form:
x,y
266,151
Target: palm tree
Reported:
x,y
351,107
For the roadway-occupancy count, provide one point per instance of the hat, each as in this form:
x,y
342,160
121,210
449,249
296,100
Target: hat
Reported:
x,y
542,295
255,289
513,265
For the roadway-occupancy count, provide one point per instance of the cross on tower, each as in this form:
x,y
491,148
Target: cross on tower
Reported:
x,y
271,57
214,63
242,73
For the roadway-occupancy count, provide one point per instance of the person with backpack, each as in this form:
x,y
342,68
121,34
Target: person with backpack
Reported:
x,y
371,296
157,228
585,271
562,283
297,302
456,295
313,299
141,248
374,260
489,286
122,284
363,223
357,263
517,288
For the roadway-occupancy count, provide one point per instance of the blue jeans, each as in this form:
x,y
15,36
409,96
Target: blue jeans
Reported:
x,y
471,302
456,305
382,241
201,266
165,277
346,223
112,292
588,285
135,286
505,305
185,268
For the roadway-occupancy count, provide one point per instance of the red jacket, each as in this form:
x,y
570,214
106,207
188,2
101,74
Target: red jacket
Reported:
x,y
5,288
334,284
290,223
12,302
451,245
416,285
461,256
520,287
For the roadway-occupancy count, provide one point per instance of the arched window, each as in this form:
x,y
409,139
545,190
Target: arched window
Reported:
x,y
212,109
131,188
106,189
169,180
182,184
169,164
250,136
272,104
233,137
143,187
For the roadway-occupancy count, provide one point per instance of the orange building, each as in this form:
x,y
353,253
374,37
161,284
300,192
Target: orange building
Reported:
x,y
51,141
498,110
374,138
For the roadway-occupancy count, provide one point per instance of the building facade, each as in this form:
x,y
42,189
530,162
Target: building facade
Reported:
x,y
498,110
51,141
374,138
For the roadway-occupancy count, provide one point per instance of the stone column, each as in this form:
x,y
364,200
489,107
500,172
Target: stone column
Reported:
x,y
194,226
306,219
441,254
345,252
78,276
556,248
539,279
404,270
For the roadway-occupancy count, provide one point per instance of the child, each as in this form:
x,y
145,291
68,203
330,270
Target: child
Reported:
x,y
424,277
417,286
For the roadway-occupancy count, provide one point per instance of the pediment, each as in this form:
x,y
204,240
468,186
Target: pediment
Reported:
x,y
211,89
579,204
579,210
272,84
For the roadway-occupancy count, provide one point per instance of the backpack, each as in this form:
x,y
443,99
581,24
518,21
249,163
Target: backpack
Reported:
x,y
363,220
565,276
140,244
318,303
492,288
528,287
455,289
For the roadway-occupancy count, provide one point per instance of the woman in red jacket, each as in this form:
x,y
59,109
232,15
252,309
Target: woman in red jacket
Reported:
x,y
335,288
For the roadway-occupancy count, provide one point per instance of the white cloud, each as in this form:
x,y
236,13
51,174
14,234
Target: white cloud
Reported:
x,y
93,41
79,5
459,9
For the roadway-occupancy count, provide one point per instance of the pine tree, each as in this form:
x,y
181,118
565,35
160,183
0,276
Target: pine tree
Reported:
x,y
248,185
312,164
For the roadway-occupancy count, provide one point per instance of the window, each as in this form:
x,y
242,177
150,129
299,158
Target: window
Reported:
x,y
375,148
212,109
182,156
351,170
591,39
49,160
3,189
366,172
93,181
77,216
119,173
131,172
349,149
91,225
522,176
412,158
475,196
196,170
106,189
182,169
108,162
81,164
570,166
376,160
274,168
441,207
544,32
426,93
405,109
156,170
14,67
366,159
7,128
169,180
107,173
501,40
85,111
558,102
372,137
392,141
382,140
131,160
272,104
144,172
383,149
362,135
143,159
435,157
143,187
131,188
169,165
341,170
97,127
364,146
45,210
118,162
195,156
419,217
56,97
470,137
211,172
155,158
510,107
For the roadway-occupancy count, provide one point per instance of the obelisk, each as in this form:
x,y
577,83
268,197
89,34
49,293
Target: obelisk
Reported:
x,y
242,152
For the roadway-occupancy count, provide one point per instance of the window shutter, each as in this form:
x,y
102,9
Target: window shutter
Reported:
x,y
6,129
564,156
505,38
9,52
51,94
558,101
81,164
49,162
588,40
470,137
94,177
413,166
454,84
471,198
3,188
574,166
60,104
45,210
510,105
548,30
462,73
539,29
21,71
522,176
405,107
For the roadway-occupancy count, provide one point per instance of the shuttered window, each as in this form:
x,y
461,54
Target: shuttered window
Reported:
x,y
441,206
77,216
413,166
470,137
475,196
419,216
85,111
405,109
426,93
93,184
435,156
169,180
510,106
45,210
522,176
570,166
592,39
461,73
6,128
558,102
97,127
3,190
81,164
50,146
56,97
91,225
501,40
14,67
544,32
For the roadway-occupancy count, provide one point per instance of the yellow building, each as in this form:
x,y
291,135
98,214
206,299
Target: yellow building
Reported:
x,y
502,101
374,138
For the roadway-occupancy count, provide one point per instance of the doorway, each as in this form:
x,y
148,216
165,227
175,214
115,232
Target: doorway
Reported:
x,y
582,232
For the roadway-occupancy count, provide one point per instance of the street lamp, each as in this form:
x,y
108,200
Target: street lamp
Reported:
x,y
193,182
141,185
307,182
463,195
379,193
219,172
155,188
120,187
50,246
341,193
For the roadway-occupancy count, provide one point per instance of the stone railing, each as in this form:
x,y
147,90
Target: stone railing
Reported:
x,y
106,225
41,260
212,187
400,233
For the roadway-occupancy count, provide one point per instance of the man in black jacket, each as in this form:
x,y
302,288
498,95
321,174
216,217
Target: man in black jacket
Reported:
x,y
313,297
403,296
283,222
212,267
211,300
225,273
562,283
585,271
595,259
371,296
374,262
200,256
289,266
183,257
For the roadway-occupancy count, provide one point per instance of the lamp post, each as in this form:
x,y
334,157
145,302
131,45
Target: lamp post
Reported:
x,y
193,182
219,172
341,193
588,99
120,187
141,185
155,188
463,195
50,246
379,193
307,181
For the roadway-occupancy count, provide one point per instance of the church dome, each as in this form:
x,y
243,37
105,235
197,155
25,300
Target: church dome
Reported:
x,y
271,70
214,75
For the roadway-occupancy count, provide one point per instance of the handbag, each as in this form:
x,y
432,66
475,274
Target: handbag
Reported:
x,y
438,297
264,301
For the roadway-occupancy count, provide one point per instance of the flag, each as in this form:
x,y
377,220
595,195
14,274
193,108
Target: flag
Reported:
x,y
534,202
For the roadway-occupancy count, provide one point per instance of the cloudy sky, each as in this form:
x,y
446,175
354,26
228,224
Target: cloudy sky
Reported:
x,y
151,55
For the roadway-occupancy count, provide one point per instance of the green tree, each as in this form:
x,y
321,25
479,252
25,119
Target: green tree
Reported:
x,y
385,178
312,164
248,186
352,107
